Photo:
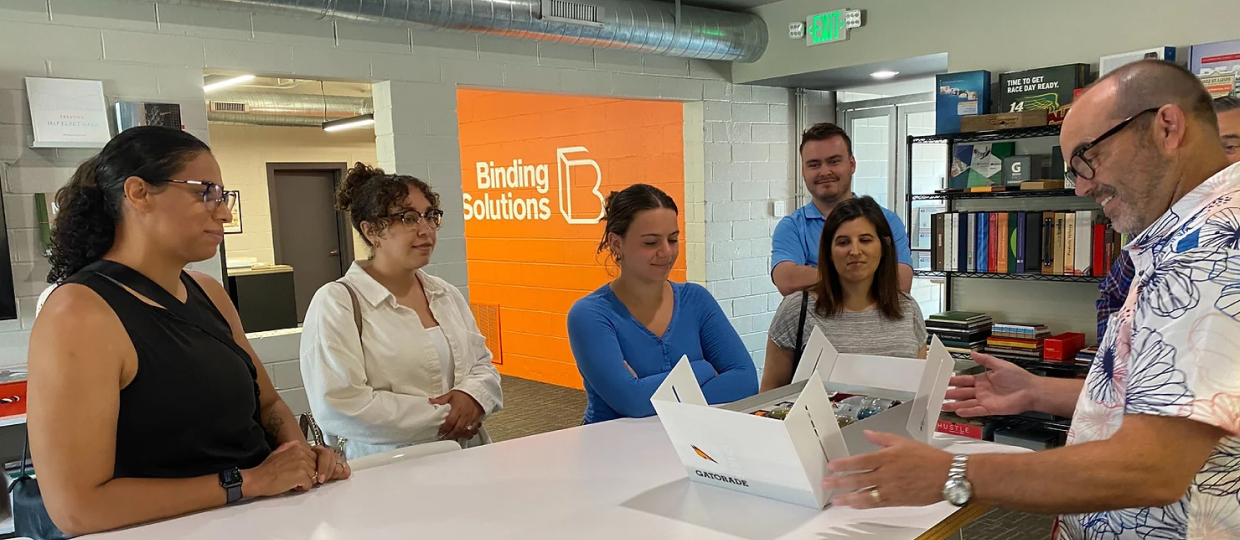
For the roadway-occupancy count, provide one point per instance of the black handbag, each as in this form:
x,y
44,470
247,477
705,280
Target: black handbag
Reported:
x,y
30,517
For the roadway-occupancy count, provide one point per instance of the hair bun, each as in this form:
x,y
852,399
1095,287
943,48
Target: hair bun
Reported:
x,y
357,177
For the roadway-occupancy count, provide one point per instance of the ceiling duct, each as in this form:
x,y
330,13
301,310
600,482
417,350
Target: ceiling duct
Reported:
x,y
277,109
646,26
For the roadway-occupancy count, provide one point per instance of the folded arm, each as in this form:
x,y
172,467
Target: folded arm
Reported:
x,y
723,348
482,382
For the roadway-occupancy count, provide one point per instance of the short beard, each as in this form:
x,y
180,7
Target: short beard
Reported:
x,y
1152,202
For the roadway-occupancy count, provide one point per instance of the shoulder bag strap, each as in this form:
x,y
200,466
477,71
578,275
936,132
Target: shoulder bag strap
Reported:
x,y
796,358
357,308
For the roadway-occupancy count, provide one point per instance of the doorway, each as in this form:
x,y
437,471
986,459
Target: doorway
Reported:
x,y
879,129
308,233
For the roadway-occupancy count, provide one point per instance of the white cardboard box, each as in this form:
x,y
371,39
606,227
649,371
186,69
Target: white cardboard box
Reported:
x,y
786,460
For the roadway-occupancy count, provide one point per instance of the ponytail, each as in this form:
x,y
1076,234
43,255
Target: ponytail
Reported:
x,y
85,225
89,206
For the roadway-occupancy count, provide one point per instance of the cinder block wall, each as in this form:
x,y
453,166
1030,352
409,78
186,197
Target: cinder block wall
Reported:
x,y
144,52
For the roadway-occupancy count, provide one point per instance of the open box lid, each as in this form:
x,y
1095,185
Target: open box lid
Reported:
x,y
786,460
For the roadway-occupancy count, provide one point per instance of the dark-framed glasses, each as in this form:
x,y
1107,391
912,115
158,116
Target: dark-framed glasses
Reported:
x,y
213,194
1079,166
410,218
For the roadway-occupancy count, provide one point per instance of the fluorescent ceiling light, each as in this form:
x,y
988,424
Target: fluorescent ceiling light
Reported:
x,y
349,123
227,82
884,74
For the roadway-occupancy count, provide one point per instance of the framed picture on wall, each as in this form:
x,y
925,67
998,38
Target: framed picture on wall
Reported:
x,y
235,226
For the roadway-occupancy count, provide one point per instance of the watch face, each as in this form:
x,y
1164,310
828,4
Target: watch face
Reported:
x,y
957,492
230,477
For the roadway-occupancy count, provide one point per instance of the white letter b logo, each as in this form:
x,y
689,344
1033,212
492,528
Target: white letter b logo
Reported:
x,y
564,167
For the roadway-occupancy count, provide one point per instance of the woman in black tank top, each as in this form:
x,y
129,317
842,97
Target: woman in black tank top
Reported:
x,y
145,399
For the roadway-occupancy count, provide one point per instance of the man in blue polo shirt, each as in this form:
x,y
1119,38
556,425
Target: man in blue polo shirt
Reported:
x,y
827,165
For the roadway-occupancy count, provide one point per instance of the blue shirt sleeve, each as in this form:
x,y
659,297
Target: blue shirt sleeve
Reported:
x,y
904,254
595,342
786,244
723,348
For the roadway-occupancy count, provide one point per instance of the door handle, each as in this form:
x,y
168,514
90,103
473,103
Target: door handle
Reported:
x,y
334,253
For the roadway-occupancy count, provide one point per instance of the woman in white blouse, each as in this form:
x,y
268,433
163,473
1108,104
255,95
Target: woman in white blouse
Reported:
x,y
418,370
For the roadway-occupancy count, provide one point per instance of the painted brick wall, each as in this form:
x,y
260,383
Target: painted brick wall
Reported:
x,y
142,53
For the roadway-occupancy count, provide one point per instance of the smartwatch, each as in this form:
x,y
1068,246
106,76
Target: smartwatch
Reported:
x,y
230,480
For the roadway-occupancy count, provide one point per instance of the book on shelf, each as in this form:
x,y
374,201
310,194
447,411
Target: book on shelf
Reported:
x,y
1057,238
1010,239
982,257
1069,244
1020,330
957,316
1014,343
1077,243
1048,243
993,254
972,242
1084,242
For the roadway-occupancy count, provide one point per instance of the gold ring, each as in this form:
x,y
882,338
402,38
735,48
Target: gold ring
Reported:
x,y
878,499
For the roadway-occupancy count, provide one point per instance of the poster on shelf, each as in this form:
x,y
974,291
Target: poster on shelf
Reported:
x,y
1217,65
68,113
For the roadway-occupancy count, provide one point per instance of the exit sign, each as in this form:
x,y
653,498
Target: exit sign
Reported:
x,y
831,26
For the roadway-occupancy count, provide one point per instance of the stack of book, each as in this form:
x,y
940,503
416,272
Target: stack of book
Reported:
x,y
1017,341
1086,356
960,331
1078,243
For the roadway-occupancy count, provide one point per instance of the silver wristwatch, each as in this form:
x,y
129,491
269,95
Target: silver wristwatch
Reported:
x,y
958,490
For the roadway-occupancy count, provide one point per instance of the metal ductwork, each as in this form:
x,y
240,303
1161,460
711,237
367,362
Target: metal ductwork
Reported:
x,y
646,26
276,109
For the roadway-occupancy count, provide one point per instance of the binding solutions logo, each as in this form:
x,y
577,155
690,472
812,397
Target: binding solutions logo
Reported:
x,y
520,175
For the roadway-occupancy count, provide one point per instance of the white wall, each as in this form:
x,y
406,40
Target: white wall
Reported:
x,y
998,36
141,57
244,152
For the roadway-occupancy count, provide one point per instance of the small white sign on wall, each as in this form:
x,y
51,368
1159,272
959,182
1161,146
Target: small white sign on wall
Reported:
x,y
68,113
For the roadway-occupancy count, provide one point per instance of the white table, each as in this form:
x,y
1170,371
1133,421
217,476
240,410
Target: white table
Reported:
x,y
618,479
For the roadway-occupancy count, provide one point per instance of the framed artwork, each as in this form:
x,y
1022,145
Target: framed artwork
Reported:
x,y
235,226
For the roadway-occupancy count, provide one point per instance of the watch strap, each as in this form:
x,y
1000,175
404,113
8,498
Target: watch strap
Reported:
x,y
231,488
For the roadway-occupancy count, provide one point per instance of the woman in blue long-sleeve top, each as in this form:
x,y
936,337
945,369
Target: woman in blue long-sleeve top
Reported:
x,y
629,334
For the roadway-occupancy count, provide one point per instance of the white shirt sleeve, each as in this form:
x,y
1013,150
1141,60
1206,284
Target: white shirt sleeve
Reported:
x,y
343,403
482,381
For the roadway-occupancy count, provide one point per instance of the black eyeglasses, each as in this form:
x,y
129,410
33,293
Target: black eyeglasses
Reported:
x,y
412,217
213,194
1079,166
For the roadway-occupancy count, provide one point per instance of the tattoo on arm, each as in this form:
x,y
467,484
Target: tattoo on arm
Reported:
x,y
273,423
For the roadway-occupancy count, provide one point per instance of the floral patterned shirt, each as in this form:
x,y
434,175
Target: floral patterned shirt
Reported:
x,y
1173,349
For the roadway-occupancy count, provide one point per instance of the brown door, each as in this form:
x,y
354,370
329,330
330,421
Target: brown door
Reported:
x,y
308,233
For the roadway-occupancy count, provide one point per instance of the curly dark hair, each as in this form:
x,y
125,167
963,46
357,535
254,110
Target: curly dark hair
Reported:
x,y
828,293
368,195
90,205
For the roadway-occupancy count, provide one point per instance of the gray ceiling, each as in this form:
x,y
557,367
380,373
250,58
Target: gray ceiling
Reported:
x,y
859,75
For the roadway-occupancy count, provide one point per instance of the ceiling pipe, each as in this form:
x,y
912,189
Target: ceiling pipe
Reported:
x,y
645,26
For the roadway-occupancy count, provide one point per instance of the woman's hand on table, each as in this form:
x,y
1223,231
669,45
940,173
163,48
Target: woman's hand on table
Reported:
x,y
290,467
903,473
464,416
331,466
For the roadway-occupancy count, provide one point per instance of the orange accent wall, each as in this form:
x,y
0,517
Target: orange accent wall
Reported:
x,y
531,226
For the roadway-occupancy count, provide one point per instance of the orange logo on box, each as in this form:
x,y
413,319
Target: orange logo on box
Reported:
x,y
703,455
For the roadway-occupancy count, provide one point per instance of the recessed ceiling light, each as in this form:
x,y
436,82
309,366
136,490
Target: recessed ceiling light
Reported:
x,y
884,74
227,82
349,123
